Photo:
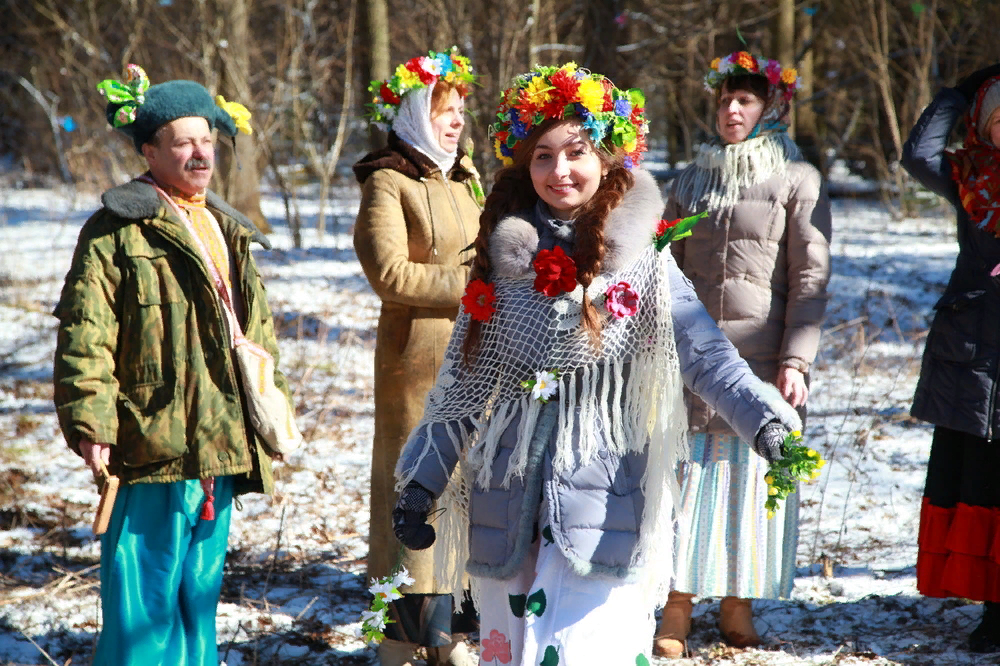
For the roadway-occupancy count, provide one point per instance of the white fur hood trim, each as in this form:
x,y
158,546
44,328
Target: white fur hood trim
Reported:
x,y
628,231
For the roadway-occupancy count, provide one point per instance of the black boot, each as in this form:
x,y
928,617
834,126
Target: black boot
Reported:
x,y
986,637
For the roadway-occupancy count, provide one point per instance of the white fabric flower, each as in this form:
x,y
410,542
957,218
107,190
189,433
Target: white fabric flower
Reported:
x,y
430,65
401,578
374,619
545,386
385,589
725,65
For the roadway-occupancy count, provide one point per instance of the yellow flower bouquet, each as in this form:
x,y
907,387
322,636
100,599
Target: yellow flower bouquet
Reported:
x,y
800,463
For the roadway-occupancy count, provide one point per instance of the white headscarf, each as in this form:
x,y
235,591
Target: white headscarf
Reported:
x,y
413,125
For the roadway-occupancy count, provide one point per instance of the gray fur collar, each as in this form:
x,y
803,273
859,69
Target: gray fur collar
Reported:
x,y
136,200
628,231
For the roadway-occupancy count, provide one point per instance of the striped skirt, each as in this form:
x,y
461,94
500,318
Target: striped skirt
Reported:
x,y
726,545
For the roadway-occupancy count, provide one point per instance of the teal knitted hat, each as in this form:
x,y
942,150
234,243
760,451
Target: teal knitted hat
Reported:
x,y
137,109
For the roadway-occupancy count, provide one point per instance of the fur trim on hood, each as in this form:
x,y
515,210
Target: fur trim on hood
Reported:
x,y
628,231
407,160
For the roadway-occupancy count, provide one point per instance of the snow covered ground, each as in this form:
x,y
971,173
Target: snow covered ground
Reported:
x,y
294,586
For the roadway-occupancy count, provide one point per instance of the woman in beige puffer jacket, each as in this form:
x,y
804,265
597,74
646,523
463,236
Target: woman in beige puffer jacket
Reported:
x,y
760,262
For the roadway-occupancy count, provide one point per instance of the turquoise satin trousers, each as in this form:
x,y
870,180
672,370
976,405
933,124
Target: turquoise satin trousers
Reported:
x,y
161,572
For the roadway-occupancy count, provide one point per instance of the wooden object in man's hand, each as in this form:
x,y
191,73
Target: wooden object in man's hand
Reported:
x,y
109,490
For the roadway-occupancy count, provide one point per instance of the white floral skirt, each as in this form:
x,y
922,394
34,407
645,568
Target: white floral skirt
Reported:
x,y
548,616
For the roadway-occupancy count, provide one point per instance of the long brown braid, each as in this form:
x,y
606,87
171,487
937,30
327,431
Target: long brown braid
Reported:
x,y
589,233
513,191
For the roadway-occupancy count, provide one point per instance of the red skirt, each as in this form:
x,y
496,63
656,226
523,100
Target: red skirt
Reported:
x,y
959,541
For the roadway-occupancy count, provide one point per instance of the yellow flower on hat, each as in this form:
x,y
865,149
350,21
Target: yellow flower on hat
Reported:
x,y
789,76
238,112
591,95
537,92
715,64
407,78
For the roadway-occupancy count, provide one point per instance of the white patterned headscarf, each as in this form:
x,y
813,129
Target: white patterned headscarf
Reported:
x,y
413,125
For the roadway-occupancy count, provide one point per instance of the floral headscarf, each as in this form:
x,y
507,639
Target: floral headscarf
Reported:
x,y
974,169
782,84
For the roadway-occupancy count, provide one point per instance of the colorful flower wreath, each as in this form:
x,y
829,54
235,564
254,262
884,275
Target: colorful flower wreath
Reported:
x,y
739,63
420,72
564,92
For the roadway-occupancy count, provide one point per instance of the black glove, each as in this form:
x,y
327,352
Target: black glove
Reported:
x,y
769,441
970,84
409,517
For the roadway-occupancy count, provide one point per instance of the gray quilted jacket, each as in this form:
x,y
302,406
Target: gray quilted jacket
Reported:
x,y
595,511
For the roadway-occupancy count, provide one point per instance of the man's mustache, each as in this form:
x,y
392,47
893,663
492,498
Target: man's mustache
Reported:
x,y
197,163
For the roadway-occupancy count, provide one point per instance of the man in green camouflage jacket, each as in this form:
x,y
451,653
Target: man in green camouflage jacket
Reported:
x,y
146,381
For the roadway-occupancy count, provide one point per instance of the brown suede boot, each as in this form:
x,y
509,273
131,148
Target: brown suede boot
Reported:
x,y
736,622
456,654
671,635
395,653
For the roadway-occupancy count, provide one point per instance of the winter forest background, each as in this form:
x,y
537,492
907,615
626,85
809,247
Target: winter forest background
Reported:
x,y
295,570
868,67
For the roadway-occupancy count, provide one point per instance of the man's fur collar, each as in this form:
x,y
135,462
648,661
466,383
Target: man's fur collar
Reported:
x,y
407,160
628,231
136,200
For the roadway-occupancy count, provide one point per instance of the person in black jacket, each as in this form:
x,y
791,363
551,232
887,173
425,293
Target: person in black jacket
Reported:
x,y
959,541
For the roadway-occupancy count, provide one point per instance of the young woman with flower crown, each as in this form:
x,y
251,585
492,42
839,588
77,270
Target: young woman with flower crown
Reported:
x,y
418,216
760,262
553,431
959,537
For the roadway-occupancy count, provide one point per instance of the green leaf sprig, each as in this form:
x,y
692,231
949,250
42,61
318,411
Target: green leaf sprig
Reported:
x,y
668,231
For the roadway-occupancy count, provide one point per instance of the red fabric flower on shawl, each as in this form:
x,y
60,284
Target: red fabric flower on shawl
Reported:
x,y
478,300
555,272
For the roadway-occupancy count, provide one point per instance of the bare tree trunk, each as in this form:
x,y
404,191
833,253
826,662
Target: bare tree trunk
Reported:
x,y
533,31
602,38
328,162
377,14
785,46
806,130
238,178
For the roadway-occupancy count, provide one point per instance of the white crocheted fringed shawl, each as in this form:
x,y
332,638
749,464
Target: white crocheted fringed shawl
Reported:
x,y
630,388
718,173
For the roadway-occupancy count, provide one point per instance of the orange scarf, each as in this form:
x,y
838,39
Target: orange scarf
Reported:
x,y
206,227
974,167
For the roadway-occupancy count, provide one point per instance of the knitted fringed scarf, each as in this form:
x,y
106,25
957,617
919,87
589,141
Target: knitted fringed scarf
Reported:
x,y
974,168
719,172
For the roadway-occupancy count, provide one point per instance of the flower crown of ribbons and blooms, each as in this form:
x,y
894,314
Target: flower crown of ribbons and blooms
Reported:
x,y
565,92
740,63
130,93
420,72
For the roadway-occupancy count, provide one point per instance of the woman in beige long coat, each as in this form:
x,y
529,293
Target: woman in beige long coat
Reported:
x,y
760,262
418,218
